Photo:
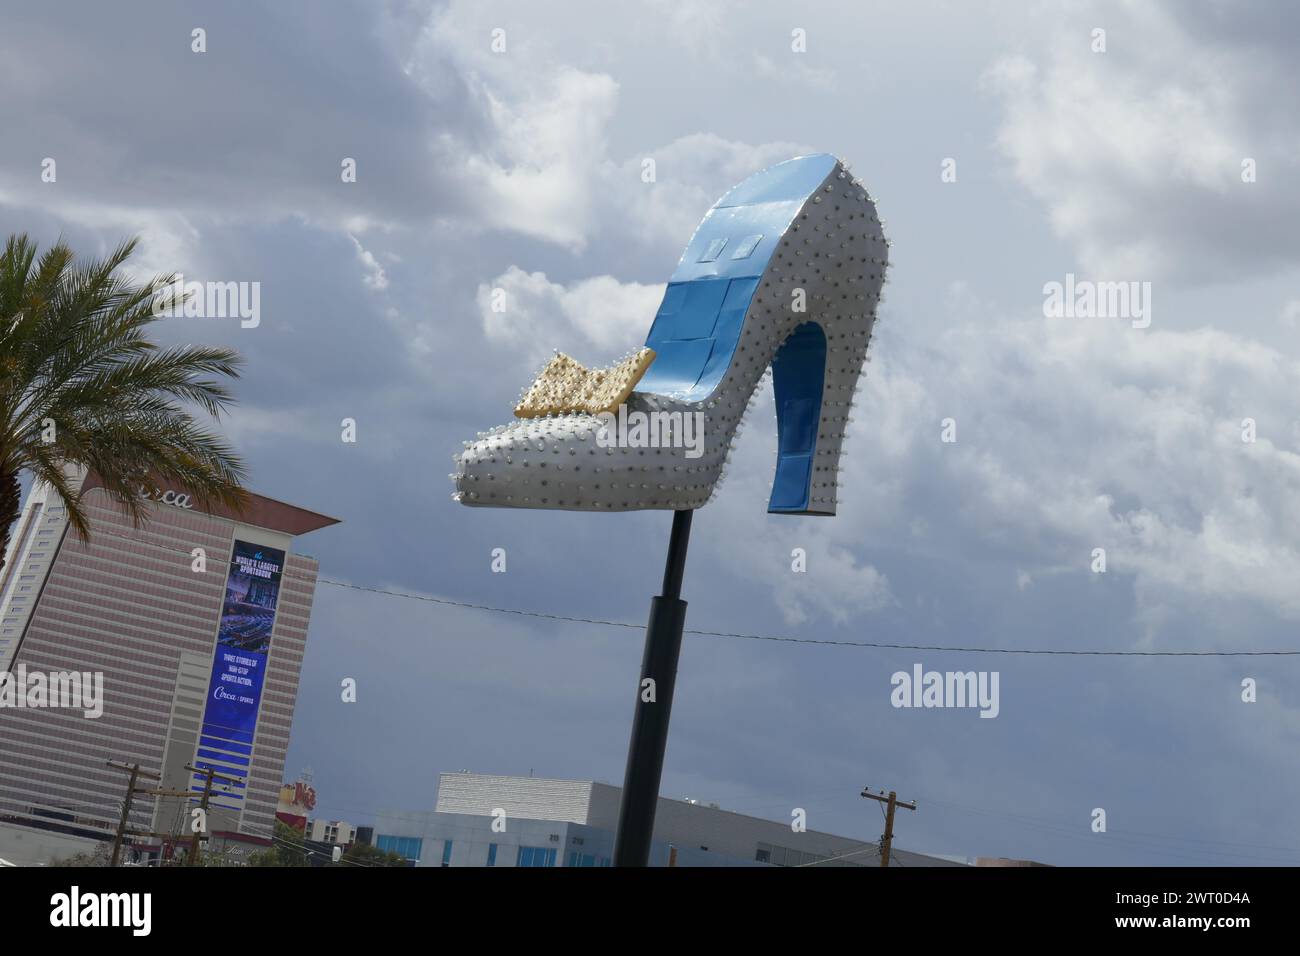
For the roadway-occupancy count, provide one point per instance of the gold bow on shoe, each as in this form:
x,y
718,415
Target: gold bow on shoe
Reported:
x,y
565,387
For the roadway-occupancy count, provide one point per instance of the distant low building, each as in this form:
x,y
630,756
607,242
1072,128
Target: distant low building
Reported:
x,y
332,832
1003,861
488,820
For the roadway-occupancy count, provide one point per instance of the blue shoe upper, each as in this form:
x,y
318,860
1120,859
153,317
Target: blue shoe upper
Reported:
x,y
699,322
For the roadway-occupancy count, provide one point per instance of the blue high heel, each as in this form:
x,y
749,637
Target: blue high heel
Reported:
x,y
783,272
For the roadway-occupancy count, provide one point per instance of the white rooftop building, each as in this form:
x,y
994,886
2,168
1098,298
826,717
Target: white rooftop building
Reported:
x,y
547,822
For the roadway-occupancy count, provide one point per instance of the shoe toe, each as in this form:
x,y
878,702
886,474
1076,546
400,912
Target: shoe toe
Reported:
x,y
531,463
567,462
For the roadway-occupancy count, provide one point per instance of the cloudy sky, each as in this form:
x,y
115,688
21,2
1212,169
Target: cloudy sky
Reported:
x,y
1170,158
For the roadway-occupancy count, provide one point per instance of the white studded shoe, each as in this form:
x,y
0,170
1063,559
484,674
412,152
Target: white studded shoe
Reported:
x,y
784,272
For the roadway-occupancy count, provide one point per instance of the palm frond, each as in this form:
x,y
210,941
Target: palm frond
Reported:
x,y
82,386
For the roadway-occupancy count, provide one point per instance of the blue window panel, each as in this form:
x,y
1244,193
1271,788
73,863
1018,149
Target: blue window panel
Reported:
x,y
713,250
797,374
536,856
407,847
726,334
695,333
446,853
574,858
689,314
492,854
676,367
746,247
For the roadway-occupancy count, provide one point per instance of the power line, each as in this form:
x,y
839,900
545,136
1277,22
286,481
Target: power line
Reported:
x,y
783,639
807,640
1134,839
309,851
842,856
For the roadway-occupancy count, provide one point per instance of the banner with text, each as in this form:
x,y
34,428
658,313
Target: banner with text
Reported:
x,y
239,667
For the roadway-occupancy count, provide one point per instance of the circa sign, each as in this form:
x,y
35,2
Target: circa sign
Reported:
x,y
168,497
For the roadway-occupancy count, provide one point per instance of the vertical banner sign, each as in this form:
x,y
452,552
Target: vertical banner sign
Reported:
x,y
239,667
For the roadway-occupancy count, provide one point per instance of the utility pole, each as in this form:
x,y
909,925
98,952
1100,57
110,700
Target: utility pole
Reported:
x,y
891,801
208,773
135,773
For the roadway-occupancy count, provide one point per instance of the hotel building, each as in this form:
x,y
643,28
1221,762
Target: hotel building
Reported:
x,y
197,621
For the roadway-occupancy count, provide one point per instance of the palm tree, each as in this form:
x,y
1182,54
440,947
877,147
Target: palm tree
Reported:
x,y
81,385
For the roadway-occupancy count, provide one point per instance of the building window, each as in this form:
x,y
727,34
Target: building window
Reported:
x,y
446,853
492,854
408,847
763,856
536,856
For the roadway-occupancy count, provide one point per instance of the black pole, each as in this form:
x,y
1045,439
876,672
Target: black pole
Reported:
x,y
654,704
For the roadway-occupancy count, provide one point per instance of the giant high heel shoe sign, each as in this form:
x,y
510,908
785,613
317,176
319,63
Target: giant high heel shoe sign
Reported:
x,y
783,273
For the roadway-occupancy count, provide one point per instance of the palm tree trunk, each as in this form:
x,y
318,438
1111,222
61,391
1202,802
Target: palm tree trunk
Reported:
x,y
11,495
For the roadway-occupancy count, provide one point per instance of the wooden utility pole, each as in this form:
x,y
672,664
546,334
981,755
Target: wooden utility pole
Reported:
x,y
891,801
208,774
135,773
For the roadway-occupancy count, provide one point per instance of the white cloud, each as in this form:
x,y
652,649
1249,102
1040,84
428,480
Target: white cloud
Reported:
x,y
1291,313
546,169
1138,151
375,278
542,176
795,70
592,319
1096,435
836,584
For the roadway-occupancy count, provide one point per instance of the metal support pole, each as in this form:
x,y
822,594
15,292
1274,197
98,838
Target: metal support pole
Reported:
x,y
654,704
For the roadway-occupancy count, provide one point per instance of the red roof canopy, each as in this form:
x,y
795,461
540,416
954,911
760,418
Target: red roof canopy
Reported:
x,y
260,510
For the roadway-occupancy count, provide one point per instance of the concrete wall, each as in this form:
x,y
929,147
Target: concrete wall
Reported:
x,y
22,846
